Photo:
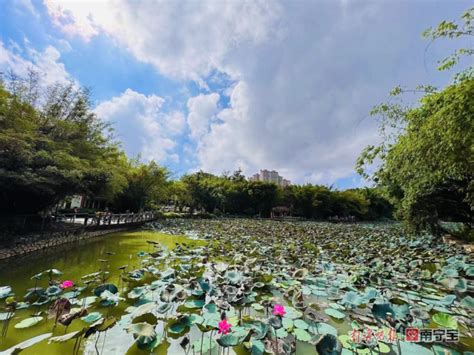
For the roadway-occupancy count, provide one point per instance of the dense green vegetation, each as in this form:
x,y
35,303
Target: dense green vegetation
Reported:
x,y
54,146
51,145
426,158
233,194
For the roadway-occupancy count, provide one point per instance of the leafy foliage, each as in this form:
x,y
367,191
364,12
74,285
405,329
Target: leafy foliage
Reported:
x,y
425,161
52,149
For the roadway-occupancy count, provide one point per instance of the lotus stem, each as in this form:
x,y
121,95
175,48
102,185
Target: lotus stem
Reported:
x,y
96,341
276,340
202,340
103,344
210,341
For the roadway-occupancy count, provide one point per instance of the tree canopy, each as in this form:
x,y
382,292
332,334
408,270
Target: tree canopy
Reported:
x,y
426,159
233,194
52,145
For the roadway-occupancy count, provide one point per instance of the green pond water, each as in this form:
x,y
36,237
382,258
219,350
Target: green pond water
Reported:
x,y
76,260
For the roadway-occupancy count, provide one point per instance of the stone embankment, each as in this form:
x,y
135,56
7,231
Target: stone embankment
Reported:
x,y
36,243
81,227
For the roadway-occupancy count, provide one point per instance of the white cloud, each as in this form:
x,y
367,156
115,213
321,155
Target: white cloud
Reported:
x,y
79,17
175,122
47,62
142,126
304,74
201,111
189,39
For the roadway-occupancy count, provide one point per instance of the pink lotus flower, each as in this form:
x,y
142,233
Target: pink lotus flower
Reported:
x,y
66,284
278,310
224,327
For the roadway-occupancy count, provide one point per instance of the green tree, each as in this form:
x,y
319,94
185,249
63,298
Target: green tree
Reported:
x,y
426,161
147,187
52,150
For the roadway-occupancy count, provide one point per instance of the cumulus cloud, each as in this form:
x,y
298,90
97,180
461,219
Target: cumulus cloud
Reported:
x,y
201,111
46,62
142,126
189,39
303,74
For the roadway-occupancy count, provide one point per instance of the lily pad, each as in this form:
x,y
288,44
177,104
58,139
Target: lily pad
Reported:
x,y
144,334
302,335
445,320
5,291
334,313
92,317
28,322
15,349
228,340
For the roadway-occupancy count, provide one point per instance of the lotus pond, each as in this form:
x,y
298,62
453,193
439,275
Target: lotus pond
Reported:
x,y
239,286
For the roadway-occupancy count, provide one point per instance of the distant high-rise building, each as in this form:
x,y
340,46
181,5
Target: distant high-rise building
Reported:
x,y
270,176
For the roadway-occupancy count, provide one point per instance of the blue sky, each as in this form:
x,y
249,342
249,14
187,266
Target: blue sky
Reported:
x,y
220,85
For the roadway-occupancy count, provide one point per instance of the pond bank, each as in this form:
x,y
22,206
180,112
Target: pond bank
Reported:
x,y
35,243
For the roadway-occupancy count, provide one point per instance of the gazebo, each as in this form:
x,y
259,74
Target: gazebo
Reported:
x,y
280,211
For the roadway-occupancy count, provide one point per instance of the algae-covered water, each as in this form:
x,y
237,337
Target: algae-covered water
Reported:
x,y
76,260
159,291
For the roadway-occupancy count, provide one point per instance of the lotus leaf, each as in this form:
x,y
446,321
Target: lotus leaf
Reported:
x,y
144,334
441,350
5,291
323,329
196,319
87,301
92,317
109,298
300,274
105,287
275,322
65,337
301,324
233,276
52,272
53,290
203,346
334,313
6,315
329,345
41,300
302,335
382,310
192,303
259,330
383,348
281,333
337,306
468,302
352,299
413,348
287,323
168,274
445,320
136,292
28,322
15,349
229,340
257,347
292,313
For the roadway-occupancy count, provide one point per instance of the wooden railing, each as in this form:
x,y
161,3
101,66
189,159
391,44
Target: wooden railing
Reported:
x,y
105,218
